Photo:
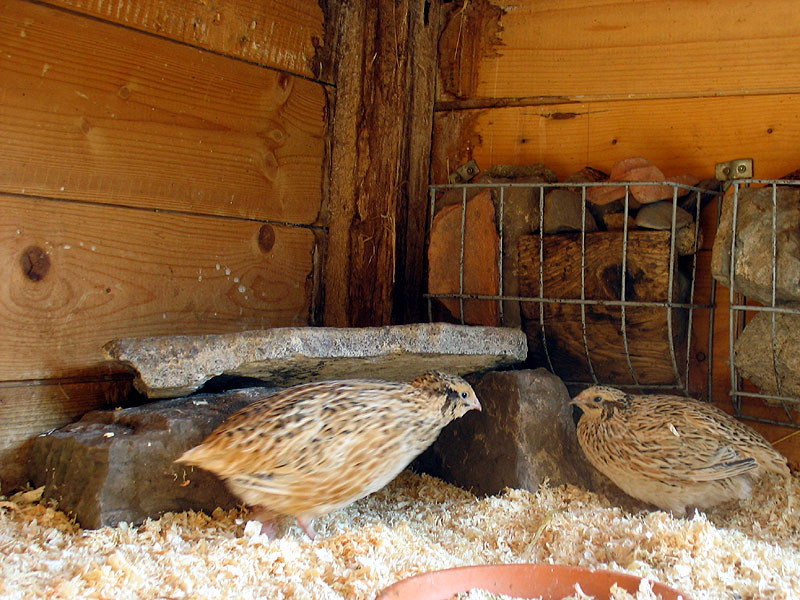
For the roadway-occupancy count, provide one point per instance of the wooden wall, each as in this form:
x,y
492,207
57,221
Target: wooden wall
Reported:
x,y
571,83
171,166
161,172
574,83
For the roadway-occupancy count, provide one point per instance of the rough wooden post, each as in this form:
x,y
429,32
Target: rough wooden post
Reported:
x,y
383,68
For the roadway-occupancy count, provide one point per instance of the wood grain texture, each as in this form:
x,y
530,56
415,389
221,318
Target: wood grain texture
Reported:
x,y
96,112
275,33
412,211
646,280
27,410
79,275
374,137
607,49
677,135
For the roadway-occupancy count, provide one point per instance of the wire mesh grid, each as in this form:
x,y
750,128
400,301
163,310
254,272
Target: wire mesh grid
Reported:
x,y
743,309
679,357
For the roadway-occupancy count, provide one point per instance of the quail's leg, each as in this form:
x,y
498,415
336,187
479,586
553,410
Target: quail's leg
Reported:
x,y
267,519
307,525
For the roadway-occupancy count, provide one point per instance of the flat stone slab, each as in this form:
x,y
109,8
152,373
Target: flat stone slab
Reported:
x,y
178,365
118,465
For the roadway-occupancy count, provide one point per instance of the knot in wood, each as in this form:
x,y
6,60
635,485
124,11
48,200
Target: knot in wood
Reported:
x,y
35,263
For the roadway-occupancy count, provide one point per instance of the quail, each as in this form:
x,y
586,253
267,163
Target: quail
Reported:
x,y
313,448
670,451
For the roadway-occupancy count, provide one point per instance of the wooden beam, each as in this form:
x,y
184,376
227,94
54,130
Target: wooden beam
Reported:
x,y
412,212
679,135
378,131
589,50
274,33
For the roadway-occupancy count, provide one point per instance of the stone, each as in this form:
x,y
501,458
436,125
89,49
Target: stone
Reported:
x,y
533,173
792,176
684,179
563,211
586,175
604,195
753,353
688,200
118,465
178,365
685,240
524,436
520,216
596,195
616,222
480,259
613,208
658,215
634,169
753,274
641,169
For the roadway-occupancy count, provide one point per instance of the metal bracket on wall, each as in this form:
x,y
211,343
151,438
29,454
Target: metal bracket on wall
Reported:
x,y
741,168
465,172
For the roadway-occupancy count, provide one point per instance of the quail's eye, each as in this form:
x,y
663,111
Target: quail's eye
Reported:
x,y
598,398
464,395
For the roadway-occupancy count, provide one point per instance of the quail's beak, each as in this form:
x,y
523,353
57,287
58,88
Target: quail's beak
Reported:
x,y
477,405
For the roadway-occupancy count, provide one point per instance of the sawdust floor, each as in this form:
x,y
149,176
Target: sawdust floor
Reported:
x,y
417,523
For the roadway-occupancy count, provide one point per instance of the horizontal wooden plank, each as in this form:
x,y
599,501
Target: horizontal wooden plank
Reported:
x,y
78,275
677,135
273,33
97,112
28,410
605,49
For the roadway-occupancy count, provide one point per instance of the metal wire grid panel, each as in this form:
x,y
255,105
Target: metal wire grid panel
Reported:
x,y
680,368
739,309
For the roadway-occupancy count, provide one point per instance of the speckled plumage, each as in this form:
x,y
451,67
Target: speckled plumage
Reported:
x,y
313,448
670,451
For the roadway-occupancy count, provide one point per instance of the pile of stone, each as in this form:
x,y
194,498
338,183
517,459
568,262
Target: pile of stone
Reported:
x,y
649,207
767,352
472,260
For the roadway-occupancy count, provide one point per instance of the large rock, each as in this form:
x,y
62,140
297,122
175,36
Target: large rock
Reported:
x,y
564,211
177,365
117,465
524,436
471,270
658,215
753,274
753,353
520,217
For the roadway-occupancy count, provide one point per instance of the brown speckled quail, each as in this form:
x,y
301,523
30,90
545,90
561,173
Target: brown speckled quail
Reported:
x,y
313,448
670,451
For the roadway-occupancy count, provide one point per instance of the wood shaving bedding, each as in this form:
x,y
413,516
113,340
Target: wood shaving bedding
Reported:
x,y
416,524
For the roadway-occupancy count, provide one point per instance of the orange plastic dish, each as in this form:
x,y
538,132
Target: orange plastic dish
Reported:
x,y
550,582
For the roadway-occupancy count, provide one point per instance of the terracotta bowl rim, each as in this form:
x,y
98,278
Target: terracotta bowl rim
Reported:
x,y
515,579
